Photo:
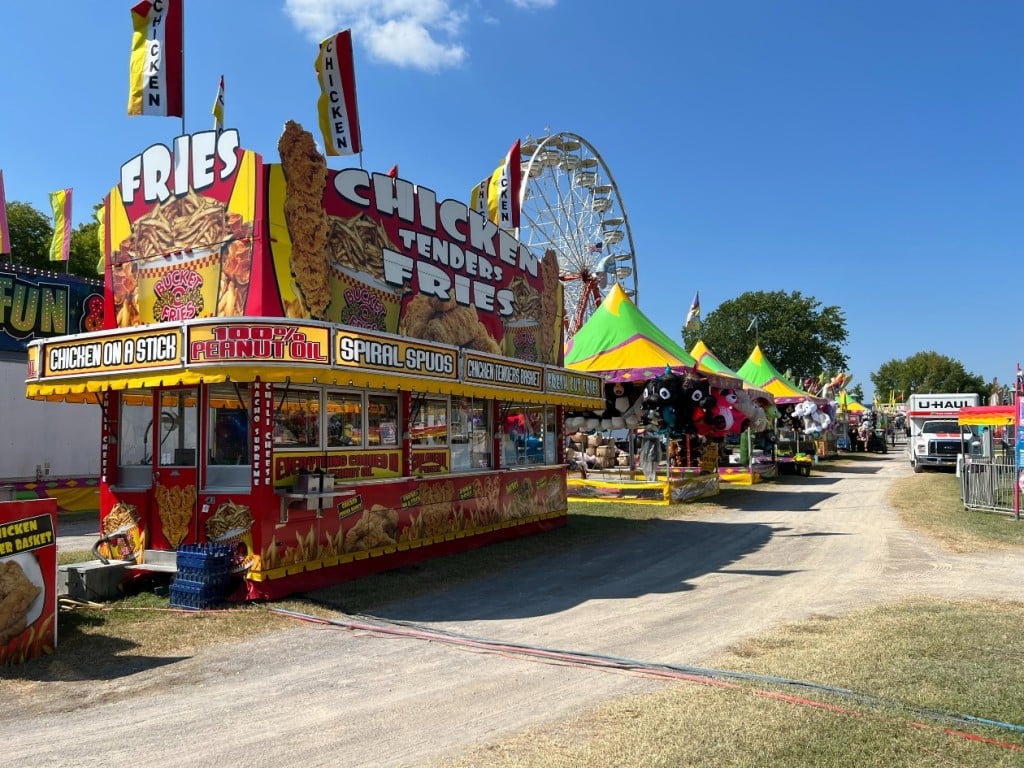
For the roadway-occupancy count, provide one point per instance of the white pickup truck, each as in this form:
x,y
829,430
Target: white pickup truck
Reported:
x,y
934,432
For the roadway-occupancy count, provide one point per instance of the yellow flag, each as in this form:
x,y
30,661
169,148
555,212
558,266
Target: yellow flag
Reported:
x,y
60,246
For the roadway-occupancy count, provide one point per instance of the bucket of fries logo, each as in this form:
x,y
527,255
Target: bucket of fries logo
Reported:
x,y
521,341
231,524
180,286
359,295
169,266
122,538
175,505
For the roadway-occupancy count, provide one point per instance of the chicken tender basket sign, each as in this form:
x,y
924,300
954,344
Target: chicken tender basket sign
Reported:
x,y
28,575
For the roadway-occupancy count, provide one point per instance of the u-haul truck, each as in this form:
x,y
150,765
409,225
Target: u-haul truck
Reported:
x,y
934,432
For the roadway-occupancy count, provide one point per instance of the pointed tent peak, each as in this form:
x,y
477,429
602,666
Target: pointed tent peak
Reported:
x,y
761,373
613,300
707,361
619,341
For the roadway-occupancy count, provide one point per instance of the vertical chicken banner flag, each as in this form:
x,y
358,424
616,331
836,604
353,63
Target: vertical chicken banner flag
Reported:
x,y
218,107
156,73
497,196
337,108
5,236
60,246
693,316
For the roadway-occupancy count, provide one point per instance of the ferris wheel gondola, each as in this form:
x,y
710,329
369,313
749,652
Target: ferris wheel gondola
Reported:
x,y
571,205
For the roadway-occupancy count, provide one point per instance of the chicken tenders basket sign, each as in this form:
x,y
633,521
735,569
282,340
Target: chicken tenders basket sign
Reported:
x,y
28,576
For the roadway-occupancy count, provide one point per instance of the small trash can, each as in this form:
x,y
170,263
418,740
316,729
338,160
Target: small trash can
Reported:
x,y
6,493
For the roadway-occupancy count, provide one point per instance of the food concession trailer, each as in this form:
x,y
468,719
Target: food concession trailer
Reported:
x,y
332,372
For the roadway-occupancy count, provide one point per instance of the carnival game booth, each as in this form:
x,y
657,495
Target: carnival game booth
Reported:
x,y
622,346
849,414
805,426
753,461
312,368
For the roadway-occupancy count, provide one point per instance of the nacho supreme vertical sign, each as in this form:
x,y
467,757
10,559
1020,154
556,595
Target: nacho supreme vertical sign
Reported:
x,y
180,232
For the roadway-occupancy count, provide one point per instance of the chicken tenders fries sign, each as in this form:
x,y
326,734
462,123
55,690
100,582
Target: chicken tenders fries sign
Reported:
x,y
28,574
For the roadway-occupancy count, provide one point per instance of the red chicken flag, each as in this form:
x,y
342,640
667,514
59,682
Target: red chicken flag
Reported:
x,y
156,73
337,108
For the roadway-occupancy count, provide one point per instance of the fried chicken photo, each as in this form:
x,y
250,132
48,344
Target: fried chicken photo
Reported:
x,y
17,593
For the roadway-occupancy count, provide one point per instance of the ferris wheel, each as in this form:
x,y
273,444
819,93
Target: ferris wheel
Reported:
x,y
571,205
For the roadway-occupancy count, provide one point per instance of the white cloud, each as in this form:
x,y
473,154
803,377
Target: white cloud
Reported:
x,y
422,34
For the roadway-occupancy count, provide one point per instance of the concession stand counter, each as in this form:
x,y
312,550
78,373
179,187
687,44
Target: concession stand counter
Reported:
x,y
334,378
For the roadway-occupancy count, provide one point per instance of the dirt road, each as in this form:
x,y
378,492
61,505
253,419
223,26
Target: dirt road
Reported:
x,y
677,592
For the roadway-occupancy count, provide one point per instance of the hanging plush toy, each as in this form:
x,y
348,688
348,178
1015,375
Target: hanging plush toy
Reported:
x,y
616,400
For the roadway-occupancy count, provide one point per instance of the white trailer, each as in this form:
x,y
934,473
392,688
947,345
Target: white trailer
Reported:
x,y
934,431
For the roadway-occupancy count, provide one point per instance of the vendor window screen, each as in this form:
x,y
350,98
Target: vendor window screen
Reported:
x,y
178,432
135,443
382,420
297,420
527,434
344,419
430,422
473,417
228,440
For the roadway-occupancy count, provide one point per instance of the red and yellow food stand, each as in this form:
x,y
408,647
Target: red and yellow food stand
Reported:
x,y
316,367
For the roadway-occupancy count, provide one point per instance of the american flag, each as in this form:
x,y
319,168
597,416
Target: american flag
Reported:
x,y
596,247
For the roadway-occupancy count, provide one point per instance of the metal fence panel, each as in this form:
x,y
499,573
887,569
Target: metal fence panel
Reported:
x,y
988,485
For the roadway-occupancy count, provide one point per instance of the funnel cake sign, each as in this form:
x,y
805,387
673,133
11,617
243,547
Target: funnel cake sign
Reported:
x,y
180,229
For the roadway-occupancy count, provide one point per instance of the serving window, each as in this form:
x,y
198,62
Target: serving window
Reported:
x,y
527,434
471,434
345,419
297,419
134,439
430,422
382,421
228,436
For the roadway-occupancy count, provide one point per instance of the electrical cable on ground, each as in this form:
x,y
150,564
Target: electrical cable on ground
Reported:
x,y
704,675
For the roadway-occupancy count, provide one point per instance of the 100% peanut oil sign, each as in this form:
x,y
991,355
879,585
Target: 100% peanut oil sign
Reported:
x,y
246,343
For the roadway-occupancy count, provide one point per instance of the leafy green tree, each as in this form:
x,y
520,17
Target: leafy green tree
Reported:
x,y
794,331
925,372
31,233
856,393
85,250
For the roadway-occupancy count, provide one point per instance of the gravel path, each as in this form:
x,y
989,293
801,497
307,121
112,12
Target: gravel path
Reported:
x,y
681,592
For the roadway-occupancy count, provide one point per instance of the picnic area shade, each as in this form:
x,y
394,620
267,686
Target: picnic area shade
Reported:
x,y
762,374
708,363
620,343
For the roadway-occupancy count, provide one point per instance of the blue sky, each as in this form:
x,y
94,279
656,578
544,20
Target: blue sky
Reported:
x,y
867,154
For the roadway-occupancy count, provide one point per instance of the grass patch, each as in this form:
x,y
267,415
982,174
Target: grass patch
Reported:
x,y
930,503
914,656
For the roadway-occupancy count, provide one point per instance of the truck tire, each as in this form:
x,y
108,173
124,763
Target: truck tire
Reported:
x,y
917,469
